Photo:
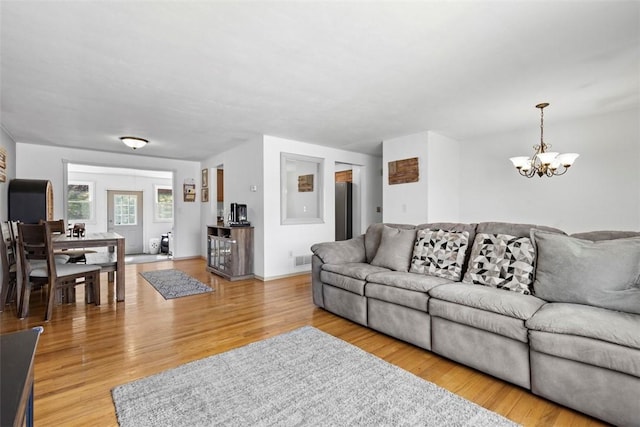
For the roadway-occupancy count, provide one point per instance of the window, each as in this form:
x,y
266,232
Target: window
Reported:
x,y
126,209
80,197
164,204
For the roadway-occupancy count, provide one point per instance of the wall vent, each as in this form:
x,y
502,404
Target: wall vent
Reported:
x,y
301,260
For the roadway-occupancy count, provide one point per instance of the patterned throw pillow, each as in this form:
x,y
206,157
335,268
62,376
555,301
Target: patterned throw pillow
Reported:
x,y
439,253
502,261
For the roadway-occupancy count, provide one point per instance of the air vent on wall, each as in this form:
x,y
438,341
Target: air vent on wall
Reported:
x,y
301,260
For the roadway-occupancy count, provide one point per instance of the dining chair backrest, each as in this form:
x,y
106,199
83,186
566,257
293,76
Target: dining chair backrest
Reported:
x,y
9,267
56,226
7,248
31,243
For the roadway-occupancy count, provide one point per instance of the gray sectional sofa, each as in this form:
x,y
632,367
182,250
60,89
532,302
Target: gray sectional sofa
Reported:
x,y
558,315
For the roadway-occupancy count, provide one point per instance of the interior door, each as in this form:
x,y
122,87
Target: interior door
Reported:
x,y
124,216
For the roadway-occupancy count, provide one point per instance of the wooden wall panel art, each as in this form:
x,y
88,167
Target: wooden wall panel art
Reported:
x,y
404,171
305,183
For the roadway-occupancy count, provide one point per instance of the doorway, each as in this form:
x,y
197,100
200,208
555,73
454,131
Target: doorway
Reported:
x,y
124,216
348,196
157,202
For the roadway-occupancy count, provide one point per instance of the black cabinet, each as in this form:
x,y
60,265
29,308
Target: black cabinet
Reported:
x,y
30,200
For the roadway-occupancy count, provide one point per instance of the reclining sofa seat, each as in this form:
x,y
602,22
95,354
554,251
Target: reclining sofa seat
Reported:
x,y
398,301
572,345
340,271
484,327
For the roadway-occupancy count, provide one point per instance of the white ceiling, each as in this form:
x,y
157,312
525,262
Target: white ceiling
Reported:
x,y
198,77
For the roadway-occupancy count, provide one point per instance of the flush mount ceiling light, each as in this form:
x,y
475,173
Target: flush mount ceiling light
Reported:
x,y
543,162
133,142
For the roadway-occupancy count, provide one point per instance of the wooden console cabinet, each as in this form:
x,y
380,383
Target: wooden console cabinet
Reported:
x,y
230,251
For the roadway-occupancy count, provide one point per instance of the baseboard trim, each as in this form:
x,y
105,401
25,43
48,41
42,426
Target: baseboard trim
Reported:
x,y
283,276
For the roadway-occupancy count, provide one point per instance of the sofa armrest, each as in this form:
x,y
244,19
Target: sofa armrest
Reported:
x,y
341,252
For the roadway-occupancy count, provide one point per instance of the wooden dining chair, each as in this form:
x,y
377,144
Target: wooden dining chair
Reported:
x,y
34,242
9,265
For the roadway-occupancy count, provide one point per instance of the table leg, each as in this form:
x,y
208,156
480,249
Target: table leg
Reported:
x,y
120,271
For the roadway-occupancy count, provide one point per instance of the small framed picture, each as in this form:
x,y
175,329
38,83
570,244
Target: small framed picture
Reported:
x,y
205,177
205,194
189,192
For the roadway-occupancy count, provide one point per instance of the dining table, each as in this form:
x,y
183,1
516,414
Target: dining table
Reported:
x,y
114,242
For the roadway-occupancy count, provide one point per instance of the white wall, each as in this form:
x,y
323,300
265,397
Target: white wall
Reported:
x,y
283,242
133,182
46,162
242,170
600,191
435,197
9,145
443,179
405,203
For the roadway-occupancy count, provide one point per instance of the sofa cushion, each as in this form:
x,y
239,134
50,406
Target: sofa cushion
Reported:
x,y
501,261
404,297
439,253
346,283
396,247
410,281
596,336
604,274
605,235
513,229
357,270
350,277
586,321
373,236
511,304
495,323
351,250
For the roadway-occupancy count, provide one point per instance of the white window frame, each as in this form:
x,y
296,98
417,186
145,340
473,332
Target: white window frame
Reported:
x,y
92,201
156,203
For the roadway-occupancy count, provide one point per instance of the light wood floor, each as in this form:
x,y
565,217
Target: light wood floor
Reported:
x,y
85,350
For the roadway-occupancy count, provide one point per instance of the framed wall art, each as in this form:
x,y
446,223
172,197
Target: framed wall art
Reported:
x,y
189,190
404,171
305,183
3,164
205,178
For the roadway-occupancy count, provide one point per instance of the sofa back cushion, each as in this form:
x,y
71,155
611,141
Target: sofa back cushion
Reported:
x,y
603,273
512,229
595,236
439,253
373,237
396,247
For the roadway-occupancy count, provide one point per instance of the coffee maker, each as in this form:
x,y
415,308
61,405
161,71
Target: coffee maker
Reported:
x,y
238,215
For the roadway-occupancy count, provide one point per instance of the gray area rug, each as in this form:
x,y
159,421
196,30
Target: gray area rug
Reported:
x,y
174,283
304,377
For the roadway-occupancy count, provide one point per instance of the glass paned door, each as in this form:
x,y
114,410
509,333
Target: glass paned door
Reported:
x,y
124,216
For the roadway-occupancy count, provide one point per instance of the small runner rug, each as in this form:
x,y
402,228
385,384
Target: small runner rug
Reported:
x,y
304,377
174,283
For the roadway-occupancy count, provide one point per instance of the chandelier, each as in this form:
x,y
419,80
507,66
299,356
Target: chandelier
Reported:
x,y
543,162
